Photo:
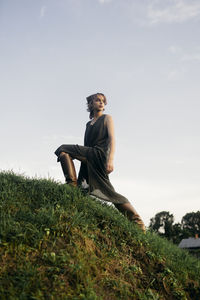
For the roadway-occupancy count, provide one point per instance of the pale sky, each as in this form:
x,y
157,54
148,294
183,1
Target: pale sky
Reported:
x,y
143,55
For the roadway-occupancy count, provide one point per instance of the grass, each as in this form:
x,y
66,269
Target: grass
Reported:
x,y
56,243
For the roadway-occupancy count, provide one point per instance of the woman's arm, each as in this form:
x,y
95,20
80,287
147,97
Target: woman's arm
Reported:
x,y
111,135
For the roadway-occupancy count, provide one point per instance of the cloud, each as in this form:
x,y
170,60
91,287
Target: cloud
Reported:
x,y
173,11
43,11
191,57
104,1
183,56
175,49
175,74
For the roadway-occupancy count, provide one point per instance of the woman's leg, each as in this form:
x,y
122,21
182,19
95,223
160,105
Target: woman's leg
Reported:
x,y
68,168
66,154
128,210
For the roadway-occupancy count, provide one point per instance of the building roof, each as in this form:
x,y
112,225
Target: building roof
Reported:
x,y
190,243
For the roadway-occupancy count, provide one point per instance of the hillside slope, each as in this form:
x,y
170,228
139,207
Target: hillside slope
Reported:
x,y
56,243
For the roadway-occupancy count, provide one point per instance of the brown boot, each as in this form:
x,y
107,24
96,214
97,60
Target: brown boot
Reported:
x,y
128,210
68,168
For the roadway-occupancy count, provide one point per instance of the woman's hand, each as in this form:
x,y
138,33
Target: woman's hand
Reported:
x,y
109,167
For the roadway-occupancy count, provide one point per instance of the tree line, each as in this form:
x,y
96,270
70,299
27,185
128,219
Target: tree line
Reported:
x,y
163,224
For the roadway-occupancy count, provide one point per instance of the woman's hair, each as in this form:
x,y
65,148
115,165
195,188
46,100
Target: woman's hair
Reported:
x,y
90,103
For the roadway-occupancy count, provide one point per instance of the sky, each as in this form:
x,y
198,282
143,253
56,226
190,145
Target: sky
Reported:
x,y
144,55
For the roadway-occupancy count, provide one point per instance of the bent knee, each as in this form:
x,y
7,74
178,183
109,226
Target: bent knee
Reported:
x,y
62,154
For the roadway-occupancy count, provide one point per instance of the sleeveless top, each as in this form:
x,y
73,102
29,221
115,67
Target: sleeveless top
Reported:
x,y
96,135
96,140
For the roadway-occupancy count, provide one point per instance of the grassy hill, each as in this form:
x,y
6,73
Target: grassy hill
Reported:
x,y
56,243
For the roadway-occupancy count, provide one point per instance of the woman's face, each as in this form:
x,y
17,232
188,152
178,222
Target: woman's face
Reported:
x,y
98,103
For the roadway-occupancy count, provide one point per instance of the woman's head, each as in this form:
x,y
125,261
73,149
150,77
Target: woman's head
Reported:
x,y
91,104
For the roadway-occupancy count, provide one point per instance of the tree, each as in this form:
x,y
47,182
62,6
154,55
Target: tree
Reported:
x,y
162,223
191,224
177,234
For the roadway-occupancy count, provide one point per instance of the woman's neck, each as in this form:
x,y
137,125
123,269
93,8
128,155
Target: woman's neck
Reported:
x,y
97,114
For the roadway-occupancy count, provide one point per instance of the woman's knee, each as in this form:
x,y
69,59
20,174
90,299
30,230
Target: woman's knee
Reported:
x,y
62,154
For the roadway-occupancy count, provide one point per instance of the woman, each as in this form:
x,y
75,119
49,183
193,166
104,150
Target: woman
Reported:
x,y
96,158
